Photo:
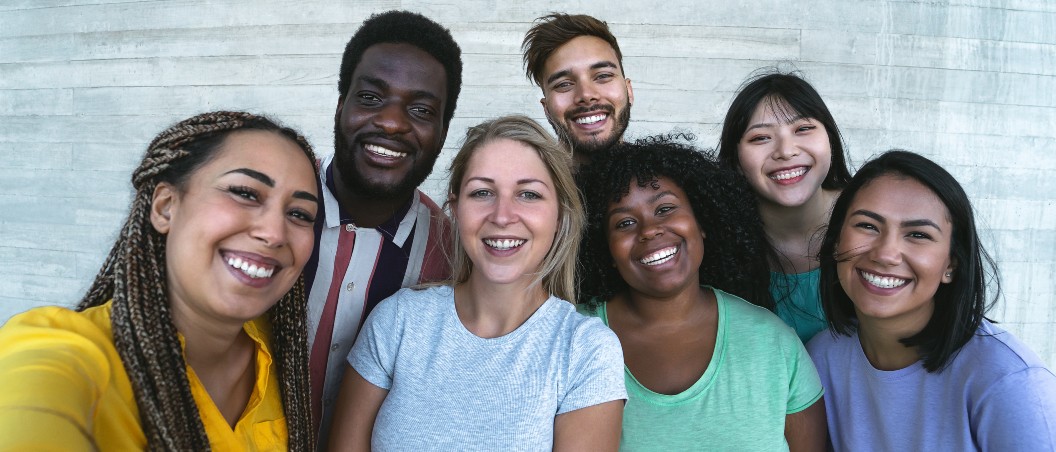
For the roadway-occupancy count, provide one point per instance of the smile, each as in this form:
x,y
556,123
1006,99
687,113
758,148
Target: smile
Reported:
x,y
660,256
592,119
251,270
504,244
883,282
788,174
384,152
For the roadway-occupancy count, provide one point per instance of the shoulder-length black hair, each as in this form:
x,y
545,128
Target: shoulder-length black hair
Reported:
x,y
735,248
791,96
960,306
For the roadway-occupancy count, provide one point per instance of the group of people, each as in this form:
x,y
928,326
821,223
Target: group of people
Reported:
x,y
583,292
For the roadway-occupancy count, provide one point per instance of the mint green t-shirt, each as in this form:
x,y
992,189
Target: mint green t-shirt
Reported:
x,y
759,373
799,302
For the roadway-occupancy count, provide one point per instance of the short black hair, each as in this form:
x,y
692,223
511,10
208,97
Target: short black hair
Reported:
x,y
405,27
790,95
736,251
960,306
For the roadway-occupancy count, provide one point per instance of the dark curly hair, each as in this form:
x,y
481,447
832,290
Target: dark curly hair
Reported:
x,y
735,248
405,27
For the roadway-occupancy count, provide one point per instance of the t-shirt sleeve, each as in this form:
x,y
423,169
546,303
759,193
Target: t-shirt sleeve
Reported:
x,y
374,353
52,379
595,373
804,386
1017,413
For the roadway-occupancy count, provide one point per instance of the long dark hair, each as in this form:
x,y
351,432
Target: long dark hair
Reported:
x,y
960,306
133,276
786,94
735,249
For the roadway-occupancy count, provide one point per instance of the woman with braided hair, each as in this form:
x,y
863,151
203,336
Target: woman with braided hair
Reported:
x,y
674,260
192,336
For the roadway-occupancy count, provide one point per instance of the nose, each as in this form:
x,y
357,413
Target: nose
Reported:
x,y
886,250
504,212
270,227
586,93
650,230
392,119
785,148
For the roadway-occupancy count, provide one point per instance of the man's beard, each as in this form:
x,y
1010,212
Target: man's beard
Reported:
x,y
593,144
355,182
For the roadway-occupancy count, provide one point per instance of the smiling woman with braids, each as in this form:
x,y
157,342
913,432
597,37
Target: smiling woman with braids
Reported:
x,y
673,259
192,336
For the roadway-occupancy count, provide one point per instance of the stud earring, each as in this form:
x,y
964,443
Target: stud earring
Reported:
x,y
948,275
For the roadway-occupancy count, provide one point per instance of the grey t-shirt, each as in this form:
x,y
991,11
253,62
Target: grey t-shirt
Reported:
x,y
452,390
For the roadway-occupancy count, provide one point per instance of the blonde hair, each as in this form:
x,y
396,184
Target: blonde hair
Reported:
x,y
558,270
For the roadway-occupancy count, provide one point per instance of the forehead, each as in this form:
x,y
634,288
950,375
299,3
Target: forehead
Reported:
x,y
774,108
268,152
897,198
638,194
402,66
580,53
503,156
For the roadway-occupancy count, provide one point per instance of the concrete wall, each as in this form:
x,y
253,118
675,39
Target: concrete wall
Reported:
x,y
85,84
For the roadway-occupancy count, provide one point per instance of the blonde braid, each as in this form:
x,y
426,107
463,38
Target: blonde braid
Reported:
x,y
134,277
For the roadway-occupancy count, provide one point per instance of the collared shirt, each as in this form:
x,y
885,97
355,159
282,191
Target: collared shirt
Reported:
x,y
353,269
65,387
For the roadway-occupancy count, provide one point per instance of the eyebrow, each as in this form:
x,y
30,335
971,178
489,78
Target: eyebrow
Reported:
x,y
266,180
489,180
770,124
567,72
905,224
653,199
383,85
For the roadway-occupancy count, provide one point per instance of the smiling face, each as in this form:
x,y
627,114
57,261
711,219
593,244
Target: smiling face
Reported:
x,y
239,232
655,241
894,251
784,156
586,98
389,128
506,212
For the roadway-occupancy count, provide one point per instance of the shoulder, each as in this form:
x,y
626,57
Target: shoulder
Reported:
x,y
994,352
61,341
742,315
426,203
416,301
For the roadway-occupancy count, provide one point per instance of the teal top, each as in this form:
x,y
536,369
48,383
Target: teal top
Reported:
x,y
799,302
758,374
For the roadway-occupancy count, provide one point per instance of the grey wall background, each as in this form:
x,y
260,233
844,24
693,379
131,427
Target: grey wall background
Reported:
x,y
85,85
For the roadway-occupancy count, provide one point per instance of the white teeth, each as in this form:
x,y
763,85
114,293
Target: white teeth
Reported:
x,y
384,152
503,244
591,119
660,257
883,282
789,174
249,269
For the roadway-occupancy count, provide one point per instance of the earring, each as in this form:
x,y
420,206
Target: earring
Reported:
x,y
948,274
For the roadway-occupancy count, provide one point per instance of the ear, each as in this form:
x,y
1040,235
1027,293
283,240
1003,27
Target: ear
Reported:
x,y
947,274
452,204
340,108
630,92
162,205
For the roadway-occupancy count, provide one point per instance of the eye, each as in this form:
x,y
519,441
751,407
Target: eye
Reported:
x,y
604,76
423,111
866,225
919,235
244,192
531,195
806,128
301,216
561,86
623,224
664,209
480,193
368,98
758,138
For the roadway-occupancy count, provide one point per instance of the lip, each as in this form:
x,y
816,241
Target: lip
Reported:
x,y
871,288
673,249
786,171
253,259
502,252
376,159
580,113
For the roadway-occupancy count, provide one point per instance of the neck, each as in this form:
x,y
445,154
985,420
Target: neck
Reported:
x,y
881,342
369,211
677,309
208,341
794,231
492,310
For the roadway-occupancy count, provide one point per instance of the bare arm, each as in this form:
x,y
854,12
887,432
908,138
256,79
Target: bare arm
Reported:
x,y
807,430
358,403
594,428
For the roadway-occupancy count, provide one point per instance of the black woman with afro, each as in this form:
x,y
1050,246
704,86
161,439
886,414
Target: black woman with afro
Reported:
x,y
672,250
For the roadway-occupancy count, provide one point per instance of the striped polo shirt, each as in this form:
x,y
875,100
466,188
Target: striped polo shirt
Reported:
x,y
352,269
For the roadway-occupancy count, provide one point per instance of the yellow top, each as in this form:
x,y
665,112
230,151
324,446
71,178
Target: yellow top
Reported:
x,y
63,387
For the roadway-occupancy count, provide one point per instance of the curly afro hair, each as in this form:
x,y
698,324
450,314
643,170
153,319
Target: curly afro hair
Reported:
x,y
405,27
736,251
